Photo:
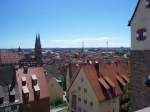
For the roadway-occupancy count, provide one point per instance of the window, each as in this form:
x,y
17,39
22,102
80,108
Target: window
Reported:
x,y
141,34
14,108
79,109
114,101
147,3
91,103
85,101
84,110
8,109
82,79
85,90
79,99
79,88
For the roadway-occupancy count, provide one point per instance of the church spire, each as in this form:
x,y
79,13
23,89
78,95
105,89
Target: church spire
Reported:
x,y
38,49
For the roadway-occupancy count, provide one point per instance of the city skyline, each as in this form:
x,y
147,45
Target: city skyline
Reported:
x,y
65,23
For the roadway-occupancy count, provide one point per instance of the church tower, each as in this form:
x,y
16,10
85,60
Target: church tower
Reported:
x,y
38,49
140,55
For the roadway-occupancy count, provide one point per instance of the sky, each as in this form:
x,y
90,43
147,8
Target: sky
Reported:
x,y
65,23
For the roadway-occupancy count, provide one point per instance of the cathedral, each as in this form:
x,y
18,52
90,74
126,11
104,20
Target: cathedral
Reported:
x,y
38,50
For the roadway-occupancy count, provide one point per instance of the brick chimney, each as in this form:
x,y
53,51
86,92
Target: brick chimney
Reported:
x,y
12,95
36,90
97,68
25,93
34,80
25,69
90,62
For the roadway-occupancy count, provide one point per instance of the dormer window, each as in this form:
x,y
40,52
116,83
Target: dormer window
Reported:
x,y
147,3
141,34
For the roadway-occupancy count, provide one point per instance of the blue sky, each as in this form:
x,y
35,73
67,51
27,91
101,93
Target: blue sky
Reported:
x,y
65,23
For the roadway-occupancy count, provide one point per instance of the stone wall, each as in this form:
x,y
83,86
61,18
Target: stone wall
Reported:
x,y
140,69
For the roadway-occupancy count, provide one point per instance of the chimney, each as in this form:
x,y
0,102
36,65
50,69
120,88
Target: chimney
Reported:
x,y
25,69
13,79
24,80
97,68
90,62
1,100
87,61
12,95
36,90
34,80
25,93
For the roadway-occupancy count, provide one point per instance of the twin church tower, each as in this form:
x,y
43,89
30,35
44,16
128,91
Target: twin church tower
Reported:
x,y
38,49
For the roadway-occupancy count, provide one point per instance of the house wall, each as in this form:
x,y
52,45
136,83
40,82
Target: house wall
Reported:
x,y
112,105
140,93
82,82
141,20
40,106
10,108
55,90
140,59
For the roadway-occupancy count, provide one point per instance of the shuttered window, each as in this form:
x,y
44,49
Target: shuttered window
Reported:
x,y
141,34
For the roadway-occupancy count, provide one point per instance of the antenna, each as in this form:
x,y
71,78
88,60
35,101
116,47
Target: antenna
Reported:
x,y
82,46
107,43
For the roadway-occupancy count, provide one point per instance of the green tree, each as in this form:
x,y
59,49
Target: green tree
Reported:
x,y
125,99
63,81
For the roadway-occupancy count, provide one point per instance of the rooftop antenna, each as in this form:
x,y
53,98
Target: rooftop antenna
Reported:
x,y
82,46
107,43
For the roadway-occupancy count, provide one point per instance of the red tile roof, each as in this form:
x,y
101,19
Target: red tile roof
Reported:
x,y
104,84
74,69
108,80
7,57
110,74
107,83
120,80
39,73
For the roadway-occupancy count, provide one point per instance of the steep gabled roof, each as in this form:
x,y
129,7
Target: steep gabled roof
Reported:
x,y
139,1
8,57
107,80
39,73
111,76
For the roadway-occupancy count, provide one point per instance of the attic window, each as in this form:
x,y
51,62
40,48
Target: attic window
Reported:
x,y
147,3
85,101
91,103
85,90
141,34
79,99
